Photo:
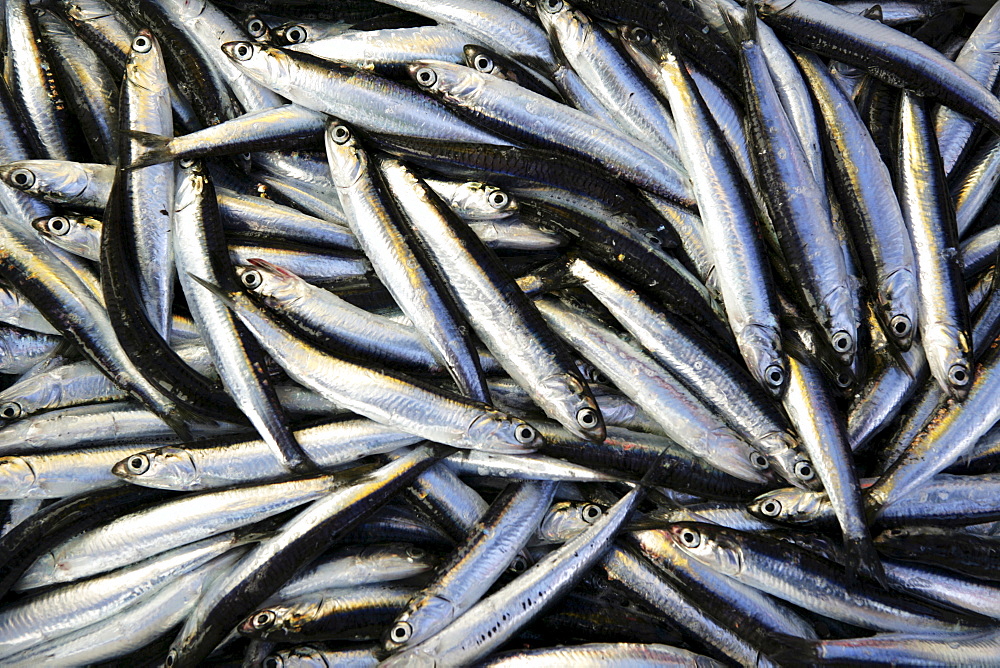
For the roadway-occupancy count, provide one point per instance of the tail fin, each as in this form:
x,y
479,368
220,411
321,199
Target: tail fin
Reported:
x,y
741,23
153,149
789,650
862,558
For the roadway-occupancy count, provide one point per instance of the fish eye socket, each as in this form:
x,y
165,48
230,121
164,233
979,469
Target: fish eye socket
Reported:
x,y
519,565
552,6
591,512
524,433
771,508
414,552
774,375
10,410
690,538
844,380
587,418
252,279
138,464
171,659
295,35
58,225
958,375
263,619
341,134
243,51
758,460
142,44
255,27
895,533
901,325
654,240
842,342
187,163
401,632
498,199
804,470
273,662
483,63
425,76
22,178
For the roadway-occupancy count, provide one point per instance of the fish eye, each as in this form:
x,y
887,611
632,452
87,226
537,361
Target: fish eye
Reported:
x,y
519,565
401,632
895,533
58,225
10,410
414,552
654,240
524,433
341,134
900,325
425,76
591,512
171,659
771,508
137,464
842,342
690,538
804,470
273,662
256,27
295,35
640,35
758,460
252,279
142,44
263,619
587,418
552,6
844,380
483,63
774,375
498,199
958,375
243,51
22,178
187,163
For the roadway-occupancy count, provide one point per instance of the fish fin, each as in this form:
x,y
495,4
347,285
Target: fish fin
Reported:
x,y
874,13
216,290
742,26
860,557
178,418
152,149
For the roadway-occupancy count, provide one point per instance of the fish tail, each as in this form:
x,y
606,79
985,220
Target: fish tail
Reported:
x,y
741,23
152,149
793,651
861,558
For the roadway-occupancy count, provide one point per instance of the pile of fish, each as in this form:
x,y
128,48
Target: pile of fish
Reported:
x,y
491,332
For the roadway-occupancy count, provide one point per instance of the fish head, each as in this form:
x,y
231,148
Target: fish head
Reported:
x,y
948,352
48,178
163,468
292,33
481,59
732,454
567,27
567,398
263,63
840,326
302,655
791,506
710,544
898,302
787,459
145,67
761,348
17,478
275,285
348,159
447,81
264,623
418,622
567,519
499,432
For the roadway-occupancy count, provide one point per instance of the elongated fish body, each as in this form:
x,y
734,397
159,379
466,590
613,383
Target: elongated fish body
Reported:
x,y
388,52
730,230
929,216
503,317
348,94
399,263
608,75
199,246
524,116
473,567
148,193
865,190
82,186
885,52
798,209
684,418
386,397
